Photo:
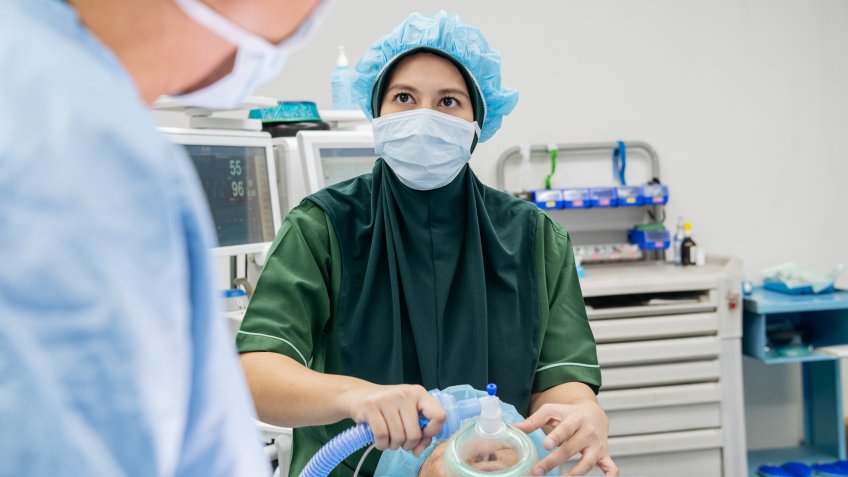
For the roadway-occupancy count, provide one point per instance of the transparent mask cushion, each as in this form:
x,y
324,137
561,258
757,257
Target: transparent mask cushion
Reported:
x,y
472,453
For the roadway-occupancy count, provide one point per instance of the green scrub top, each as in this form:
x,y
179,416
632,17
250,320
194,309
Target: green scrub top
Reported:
x,y
294,312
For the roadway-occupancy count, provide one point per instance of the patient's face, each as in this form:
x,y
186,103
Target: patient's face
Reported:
x,y
487,459
432,466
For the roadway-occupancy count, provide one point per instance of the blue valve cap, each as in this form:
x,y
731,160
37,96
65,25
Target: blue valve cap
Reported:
x,y
492,389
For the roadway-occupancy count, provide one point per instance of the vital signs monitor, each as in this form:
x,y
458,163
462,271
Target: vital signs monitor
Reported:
x,y
330,157
237,172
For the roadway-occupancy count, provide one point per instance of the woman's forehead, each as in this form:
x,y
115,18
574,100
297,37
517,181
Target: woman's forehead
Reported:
x,y
427,71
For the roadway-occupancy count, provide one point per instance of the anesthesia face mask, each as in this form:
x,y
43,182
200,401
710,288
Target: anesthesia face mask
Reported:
x,y
486,446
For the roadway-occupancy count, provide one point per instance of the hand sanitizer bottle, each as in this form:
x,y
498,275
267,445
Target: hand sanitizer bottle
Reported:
x,y
342,81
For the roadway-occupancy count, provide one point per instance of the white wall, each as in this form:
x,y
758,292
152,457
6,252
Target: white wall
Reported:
x,y
745,101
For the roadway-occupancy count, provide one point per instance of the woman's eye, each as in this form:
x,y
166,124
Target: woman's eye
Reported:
x,y
449,102
403,98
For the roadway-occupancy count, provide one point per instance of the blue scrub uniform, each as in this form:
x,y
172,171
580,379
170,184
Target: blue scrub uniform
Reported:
x,y
112,360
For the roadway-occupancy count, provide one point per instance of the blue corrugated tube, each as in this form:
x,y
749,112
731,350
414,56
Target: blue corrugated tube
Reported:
x,y
359,436
337,450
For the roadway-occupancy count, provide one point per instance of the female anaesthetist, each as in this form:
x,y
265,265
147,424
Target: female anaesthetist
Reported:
x,y
418,276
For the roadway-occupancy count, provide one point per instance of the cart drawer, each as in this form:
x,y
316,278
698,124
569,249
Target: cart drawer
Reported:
x,y
662,396
696,463
664,419
660,374
654,327
650,304
665,442
639,352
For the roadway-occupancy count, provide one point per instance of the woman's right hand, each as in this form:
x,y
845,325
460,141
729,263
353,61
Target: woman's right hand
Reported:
x,y
392,414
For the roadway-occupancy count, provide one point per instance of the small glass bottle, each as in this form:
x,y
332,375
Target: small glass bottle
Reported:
x,y
688,248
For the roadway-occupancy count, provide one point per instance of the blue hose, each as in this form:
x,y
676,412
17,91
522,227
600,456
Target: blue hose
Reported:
x,y
339,448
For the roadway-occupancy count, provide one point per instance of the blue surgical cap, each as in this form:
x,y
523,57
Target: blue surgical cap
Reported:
x,y
447,34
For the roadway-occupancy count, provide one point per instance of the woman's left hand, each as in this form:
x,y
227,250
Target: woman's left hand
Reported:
x,y
580,427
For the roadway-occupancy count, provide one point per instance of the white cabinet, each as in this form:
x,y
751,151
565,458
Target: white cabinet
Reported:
x,y
668,346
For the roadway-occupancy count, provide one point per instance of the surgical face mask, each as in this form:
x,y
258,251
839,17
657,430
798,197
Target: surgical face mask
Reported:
x,y
256,60
426,149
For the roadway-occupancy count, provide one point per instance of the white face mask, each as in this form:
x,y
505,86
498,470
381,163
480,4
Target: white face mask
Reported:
x,y
256,62
425,148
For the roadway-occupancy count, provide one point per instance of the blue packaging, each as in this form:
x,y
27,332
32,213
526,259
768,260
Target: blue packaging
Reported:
x,y
650,239
548,199
287,112
630,196
576,199
603,197
655,194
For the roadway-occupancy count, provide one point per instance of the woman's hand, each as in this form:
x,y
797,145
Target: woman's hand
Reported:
x,y
580,427
392,414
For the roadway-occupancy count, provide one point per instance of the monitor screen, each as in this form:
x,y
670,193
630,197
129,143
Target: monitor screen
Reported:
x,y
235,180
339,164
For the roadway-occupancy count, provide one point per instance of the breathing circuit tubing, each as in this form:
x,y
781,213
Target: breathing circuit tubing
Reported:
x,y
345,444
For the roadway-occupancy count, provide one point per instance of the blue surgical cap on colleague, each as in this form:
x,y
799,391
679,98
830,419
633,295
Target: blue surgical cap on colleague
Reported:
x,y
446,34
401,463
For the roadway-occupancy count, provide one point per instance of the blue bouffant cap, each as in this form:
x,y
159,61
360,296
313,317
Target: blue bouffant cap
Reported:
x,y
446,35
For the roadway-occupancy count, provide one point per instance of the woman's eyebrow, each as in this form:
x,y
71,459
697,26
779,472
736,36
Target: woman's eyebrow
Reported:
x,y
403,87
453,91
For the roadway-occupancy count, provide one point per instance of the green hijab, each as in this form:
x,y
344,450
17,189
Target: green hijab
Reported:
x,y
438,287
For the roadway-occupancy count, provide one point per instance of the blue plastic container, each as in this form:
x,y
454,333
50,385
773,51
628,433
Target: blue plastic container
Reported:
x,y
655,194
576,199
630,196
548,199
603,197
650,239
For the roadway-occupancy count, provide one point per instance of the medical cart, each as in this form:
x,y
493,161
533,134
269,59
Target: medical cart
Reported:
x,y
669,349
668,341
